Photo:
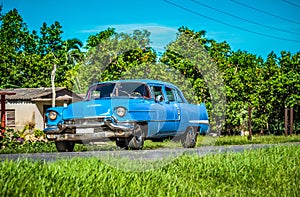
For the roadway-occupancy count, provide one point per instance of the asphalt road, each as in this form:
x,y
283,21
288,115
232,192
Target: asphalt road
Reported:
x,y
139,154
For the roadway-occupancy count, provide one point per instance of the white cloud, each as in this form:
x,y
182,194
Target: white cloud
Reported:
x,y
160,35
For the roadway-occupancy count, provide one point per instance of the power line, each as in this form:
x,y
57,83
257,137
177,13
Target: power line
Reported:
x,y
293,4
237,27
268,13
253,22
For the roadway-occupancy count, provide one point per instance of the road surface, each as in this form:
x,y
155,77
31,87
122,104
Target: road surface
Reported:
x,y
140,154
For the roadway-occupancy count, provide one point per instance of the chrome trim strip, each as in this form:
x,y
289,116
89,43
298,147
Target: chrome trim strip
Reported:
x,y
88,117
199,121
135,121
141,110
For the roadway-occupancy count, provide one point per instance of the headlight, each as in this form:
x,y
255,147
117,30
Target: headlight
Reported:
x,y
52,115
121,111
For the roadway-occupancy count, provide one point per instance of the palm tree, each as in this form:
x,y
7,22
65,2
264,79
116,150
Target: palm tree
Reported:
x,y
73,49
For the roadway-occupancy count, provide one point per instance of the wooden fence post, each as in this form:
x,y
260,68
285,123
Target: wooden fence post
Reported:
x,y
3,113
3,118
285,121
291,120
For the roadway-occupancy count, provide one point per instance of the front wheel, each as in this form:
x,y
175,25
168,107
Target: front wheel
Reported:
x,y
136,141
138,138
64,146
123,143
189,138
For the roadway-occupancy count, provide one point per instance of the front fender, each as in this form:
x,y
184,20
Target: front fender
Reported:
x,y
53,123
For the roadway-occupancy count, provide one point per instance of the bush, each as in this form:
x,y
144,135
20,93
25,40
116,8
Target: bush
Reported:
x,y
10,139
26,140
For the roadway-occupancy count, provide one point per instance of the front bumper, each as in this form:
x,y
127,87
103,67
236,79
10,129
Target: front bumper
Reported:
x,y
102,125
101,136
82,132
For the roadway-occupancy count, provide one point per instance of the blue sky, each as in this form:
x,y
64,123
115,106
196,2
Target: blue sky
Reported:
x,y
257,26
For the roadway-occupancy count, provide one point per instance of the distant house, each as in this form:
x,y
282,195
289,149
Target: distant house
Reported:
x,y
28,105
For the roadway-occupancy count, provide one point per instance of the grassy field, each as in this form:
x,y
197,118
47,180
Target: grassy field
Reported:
x,y
273,171
227,140
31,147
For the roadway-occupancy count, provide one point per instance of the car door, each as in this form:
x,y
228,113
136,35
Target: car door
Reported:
x,y
174,105
164,120
171,110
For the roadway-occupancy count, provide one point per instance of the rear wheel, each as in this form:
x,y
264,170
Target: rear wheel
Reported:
x,y
64,146
189,138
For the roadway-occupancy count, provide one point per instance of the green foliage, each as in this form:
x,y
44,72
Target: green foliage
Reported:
x,y
11,139
27,140
111,55
188,54
206,70
264,172
159,71
95,40
27,58
38,133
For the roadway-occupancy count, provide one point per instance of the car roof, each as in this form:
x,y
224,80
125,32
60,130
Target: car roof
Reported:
x,y
147,81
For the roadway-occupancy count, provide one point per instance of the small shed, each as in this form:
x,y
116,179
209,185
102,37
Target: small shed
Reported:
x,y
28,105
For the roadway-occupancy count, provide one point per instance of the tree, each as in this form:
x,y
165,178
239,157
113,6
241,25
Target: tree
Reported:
x,y
16,42
290,70
95,40
26,58
189,54
110,54
74,58
214,72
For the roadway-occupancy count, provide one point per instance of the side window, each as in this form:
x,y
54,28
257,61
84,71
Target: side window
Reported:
x,y
95,94
178,96
157,91
170,94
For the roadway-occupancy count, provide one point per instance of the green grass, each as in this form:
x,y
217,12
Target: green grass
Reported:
x,y
226,140
257,139
28,147
273,171
32,147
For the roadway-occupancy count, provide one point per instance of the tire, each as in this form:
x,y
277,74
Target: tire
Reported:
x,y
123,143
157,139
138,138
64,146
189,138
135,142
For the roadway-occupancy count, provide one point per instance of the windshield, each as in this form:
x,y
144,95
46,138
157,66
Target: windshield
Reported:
x,y
125,89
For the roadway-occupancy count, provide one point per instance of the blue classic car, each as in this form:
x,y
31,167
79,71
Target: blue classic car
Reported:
x,y
128,112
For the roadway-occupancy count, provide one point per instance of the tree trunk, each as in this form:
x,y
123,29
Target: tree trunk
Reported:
x,y
53,85
249,123
291,120
285,121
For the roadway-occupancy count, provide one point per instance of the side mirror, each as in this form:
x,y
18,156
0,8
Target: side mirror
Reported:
x,y
159,98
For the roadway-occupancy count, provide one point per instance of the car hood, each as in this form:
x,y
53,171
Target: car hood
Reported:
x,y
99,107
